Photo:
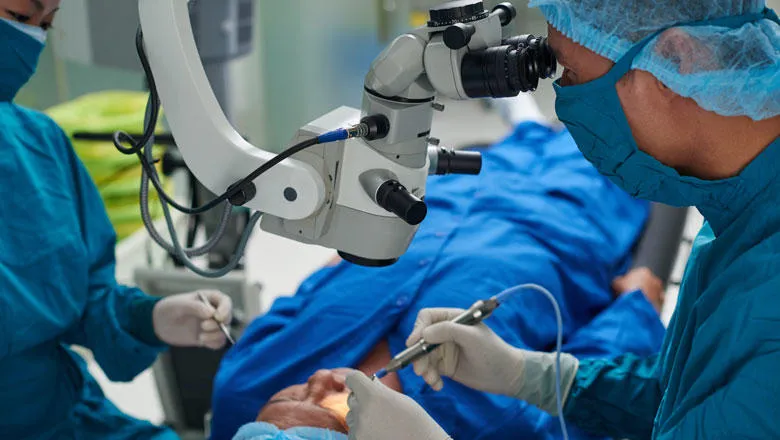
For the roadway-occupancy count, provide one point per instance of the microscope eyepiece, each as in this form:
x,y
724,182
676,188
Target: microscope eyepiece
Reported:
x,y
509,69
395,198
545,64
448,161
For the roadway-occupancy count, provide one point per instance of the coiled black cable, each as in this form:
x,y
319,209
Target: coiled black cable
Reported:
x,y
137,146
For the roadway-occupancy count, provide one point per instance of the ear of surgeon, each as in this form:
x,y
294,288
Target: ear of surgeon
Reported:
x,y
38,13
693,93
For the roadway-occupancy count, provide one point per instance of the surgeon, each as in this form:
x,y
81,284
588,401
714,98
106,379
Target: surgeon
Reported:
x,y
676,102
57,284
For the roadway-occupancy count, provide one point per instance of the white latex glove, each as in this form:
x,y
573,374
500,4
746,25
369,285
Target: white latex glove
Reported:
x,y
476,357
184,320
378,413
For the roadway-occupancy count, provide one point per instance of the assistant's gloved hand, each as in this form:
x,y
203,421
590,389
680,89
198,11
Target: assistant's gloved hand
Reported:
x,y
184,320
476,357
378,413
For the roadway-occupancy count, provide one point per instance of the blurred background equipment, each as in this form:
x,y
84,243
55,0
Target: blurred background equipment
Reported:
x,y
116,176
91,51
458,54
259,57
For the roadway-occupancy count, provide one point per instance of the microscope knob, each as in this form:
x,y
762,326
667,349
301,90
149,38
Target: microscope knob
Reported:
x,y
459,35
459,11
506,11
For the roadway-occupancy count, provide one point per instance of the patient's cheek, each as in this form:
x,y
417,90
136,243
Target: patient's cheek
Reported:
x,y
337,404
291,414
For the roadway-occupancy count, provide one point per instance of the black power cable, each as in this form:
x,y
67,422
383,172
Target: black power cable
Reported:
x,y
148,134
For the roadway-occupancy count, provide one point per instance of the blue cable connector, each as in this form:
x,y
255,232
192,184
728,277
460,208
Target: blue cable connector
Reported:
x,y
333,136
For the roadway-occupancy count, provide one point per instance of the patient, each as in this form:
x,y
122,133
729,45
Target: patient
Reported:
x,y
538,213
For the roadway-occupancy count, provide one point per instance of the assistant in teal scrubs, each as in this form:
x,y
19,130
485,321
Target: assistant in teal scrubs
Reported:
x,y
57,284
676,102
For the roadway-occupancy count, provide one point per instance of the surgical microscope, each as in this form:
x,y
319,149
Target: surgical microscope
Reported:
x,y
353,180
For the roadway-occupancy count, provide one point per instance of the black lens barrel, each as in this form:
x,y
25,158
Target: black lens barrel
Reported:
x,y
458,162
395,198
507,70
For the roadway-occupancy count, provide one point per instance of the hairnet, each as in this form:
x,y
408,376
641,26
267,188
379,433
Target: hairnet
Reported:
x,y
266,431
733,72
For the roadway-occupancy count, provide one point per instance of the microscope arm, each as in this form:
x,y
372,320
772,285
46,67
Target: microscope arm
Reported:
x,y
212,149
363,194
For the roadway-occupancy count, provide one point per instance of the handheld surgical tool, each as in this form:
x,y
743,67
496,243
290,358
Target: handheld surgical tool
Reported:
x,y
222,325
477,313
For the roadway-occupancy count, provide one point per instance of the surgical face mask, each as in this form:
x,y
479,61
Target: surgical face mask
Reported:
x,y
35,32
594,116
20,48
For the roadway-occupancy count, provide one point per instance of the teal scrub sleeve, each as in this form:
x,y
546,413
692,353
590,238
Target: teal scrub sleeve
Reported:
x,y
117,321
745,407
615,398
734,364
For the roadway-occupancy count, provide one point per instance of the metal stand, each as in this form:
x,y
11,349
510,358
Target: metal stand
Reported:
x,y
223,32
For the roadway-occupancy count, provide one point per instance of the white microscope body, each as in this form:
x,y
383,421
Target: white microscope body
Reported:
x,y
361,196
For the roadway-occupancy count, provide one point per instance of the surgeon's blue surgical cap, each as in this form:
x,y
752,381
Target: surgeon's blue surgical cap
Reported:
x,y
733,72
266,431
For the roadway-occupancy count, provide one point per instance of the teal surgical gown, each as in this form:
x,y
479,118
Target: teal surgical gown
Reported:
x,y
717,375
57,288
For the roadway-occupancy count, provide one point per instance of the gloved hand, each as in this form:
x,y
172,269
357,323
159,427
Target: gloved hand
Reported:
x,y
476,357
184,320
378,413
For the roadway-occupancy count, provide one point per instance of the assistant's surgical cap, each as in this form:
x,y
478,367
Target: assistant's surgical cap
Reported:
x,y
733,72
266,431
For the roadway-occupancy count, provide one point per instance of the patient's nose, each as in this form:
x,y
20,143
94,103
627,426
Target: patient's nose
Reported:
x,y
325,382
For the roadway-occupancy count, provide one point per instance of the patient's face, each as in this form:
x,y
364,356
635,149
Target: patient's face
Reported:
x,y
319,403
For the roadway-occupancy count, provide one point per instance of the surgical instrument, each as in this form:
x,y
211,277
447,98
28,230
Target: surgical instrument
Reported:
x,y
222,325
477,313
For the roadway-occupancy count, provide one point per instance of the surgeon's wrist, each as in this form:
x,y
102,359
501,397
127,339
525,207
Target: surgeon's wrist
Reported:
x,y
141,325
537,379
568,376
